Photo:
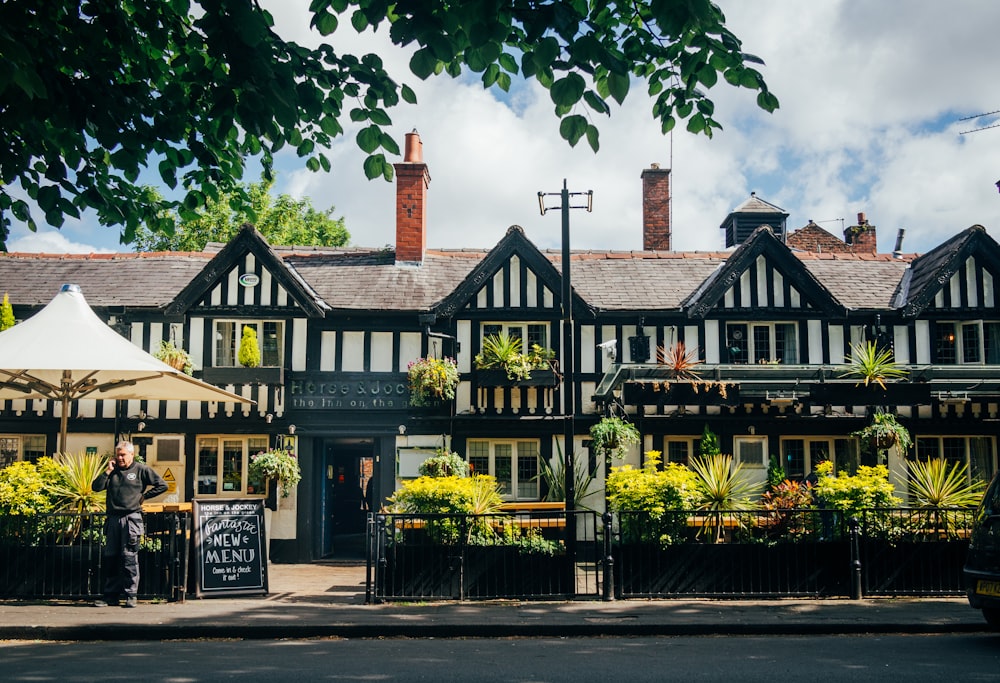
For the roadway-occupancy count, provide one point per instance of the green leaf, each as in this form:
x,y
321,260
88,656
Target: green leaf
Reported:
x,y
568,90
423,63
618,86
406,92
359,21
369,139
595,102
374,166
593,138
325,22
508,63
573,128
312,164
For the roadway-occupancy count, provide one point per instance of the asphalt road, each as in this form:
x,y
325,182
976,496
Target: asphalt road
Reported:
x,y
891,658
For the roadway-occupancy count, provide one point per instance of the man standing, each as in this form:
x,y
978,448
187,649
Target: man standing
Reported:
x,y
126,482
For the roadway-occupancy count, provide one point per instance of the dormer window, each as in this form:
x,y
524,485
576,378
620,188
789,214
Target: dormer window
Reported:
x,y
270,339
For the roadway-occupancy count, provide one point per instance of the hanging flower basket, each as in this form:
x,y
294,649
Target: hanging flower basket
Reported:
x,y
276,465
432,379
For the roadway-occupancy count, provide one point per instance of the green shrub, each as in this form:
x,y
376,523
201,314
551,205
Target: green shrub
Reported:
x,y
249,353
475,495
25,487
869,488
653,491
709,443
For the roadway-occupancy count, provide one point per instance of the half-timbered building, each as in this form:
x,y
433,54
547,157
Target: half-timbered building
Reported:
x,y
772,318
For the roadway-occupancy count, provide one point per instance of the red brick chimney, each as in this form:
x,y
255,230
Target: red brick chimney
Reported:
x,y
412,181
862,237
656,208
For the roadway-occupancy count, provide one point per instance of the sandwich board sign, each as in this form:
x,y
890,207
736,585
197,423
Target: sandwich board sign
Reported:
x,y
229,547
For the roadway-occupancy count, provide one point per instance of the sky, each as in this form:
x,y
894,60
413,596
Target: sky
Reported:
x,y
873,97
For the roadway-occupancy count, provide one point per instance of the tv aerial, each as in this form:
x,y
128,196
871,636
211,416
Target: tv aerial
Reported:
x,y
981,120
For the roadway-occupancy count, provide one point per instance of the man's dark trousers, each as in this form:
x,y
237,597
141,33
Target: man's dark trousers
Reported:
x,y
121,555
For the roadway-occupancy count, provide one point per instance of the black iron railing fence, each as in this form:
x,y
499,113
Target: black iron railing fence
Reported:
x,y
59,555
514,555
719,554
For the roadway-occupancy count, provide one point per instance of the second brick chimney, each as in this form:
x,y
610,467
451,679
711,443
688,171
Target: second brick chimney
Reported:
x,y
862,237
656,208
412,181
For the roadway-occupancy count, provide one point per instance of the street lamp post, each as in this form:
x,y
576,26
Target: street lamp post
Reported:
x,y
568,363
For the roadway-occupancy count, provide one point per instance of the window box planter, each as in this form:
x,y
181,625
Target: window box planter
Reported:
x,y
259,375
681,393
499,378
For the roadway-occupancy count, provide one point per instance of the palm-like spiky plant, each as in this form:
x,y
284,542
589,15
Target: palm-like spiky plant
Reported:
x,y
936,483
73,491
722,487
937,486
680,362
554,474
872,365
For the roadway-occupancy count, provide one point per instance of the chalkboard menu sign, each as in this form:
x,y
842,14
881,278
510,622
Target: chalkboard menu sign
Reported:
x,y
229,544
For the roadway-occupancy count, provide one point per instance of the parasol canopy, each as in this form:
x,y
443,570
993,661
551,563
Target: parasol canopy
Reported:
x,y
65,352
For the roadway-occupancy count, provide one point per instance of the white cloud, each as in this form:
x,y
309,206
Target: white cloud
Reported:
x,y
52,242
870,97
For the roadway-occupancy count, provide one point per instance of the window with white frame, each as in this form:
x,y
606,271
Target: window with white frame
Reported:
x,y
529,333
972,341
514,464
228,333
750,451
977,453
679,449
15,447
762,343
800,455
222,463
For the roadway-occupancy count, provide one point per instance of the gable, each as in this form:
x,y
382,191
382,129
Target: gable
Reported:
x,y
245,277
762,274
958,274
515,275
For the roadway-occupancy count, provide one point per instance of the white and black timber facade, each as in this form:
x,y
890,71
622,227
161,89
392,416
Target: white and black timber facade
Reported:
x,y
772,319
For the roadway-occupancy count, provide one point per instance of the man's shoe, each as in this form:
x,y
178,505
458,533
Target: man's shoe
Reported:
x,y
106,602
131,601
100,603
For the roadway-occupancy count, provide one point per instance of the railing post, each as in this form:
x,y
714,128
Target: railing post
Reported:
x,y
609,559
855,560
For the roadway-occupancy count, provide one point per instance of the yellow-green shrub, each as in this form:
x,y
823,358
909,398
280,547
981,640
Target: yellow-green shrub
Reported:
x,y
869,488
653,491
24,487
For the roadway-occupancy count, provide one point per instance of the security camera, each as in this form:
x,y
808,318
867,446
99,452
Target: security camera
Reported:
x,y
610,348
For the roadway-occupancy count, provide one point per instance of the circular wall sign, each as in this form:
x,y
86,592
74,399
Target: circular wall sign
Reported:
x,y
249,279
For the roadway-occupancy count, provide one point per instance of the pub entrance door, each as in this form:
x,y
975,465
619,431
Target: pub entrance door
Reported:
x,y
349,467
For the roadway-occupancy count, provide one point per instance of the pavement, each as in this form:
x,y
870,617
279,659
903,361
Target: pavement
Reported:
x,y
326,600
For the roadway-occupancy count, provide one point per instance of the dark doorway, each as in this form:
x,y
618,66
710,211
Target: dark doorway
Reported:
x,y
349,468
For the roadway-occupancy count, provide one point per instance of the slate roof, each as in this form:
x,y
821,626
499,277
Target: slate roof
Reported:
x,y
134,280
369,280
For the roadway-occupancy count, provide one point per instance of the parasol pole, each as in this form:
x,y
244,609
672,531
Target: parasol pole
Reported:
x,y
64,417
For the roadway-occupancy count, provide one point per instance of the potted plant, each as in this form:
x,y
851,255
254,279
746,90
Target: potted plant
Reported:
x,y
872,365
279,465
613,436
885,432
432,379
175,357
249,352
506,353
